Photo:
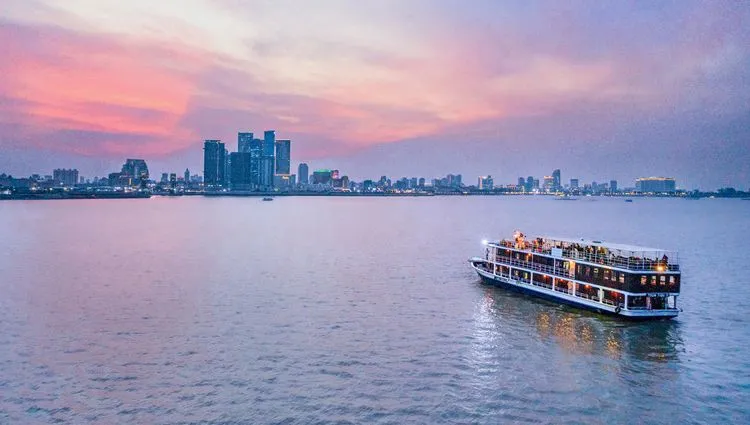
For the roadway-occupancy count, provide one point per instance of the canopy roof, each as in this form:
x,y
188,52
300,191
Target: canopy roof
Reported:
x,y
603,244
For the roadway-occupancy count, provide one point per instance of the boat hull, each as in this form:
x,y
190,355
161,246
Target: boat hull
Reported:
x,y
565,298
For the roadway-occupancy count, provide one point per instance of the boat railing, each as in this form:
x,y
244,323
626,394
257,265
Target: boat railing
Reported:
x,y
608,258
534,266
651,309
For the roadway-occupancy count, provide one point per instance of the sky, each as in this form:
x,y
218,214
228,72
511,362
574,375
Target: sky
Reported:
x,y
601,90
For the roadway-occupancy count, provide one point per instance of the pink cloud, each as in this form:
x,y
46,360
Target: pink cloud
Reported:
x,y
57,80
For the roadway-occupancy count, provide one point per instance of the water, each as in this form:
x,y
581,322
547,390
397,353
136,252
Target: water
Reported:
x,y
346,310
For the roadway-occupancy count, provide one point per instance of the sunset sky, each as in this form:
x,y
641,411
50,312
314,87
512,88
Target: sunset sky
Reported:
x,y
600,89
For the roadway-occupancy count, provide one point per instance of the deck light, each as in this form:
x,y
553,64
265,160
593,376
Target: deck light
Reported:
x,y
484,242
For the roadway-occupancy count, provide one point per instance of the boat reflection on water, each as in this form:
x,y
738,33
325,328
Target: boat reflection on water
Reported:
x,y
580,332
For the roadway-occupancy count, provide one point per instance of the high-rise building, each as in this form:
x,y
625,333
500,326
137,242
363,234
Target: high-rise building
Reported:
x,y
283,157
549,183
135,168
322,176
186,176
421,182
485,183
65,177
164,178
214,163
574,183
266,172
267,162
521,182
302,172
613,186
256,154
557,183
269,142
529,183
240,170
655,185
173,180
244,142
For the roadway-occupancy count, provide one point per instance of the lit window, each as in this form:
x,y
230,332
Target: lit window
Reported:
x,y
596,272
653,280
671,280
663,279
622,277
606,274
644,280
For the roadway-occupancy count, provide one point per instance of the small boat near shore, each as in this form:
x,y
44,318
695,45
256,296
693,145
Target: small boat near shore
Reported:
x,y
267,198
627,281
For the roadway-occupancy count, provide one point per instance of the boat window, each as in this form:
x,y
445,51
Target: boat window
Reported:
x,y
606,274
663,279
671,280
653,279
644,280
596,272
622,277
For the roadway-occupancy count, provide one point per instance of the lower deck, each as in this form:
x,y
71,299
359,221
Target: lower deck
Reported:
x,y
661,306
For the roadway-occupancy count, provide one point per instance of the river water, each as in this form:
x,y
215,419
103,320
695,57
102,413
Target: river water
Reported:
x,y
355,310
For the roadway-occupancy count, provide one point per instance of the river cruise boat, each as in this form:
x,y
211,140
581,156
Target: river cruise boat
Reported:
x,y
628,281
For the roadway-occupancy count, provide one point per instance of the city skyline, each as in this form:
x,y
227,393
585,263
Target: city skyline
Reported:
x,y
265,165
496,88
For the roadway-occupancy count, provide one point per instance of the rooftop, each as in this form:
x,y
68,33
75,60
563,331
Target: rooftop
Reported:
x,y
603,244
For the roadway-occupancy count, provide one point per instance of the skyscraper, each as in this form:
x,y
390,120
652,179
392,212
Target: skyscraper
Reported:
x,y
256,155
485,183
267,162
613,186
530,183
186,176
241,165
244,141
269,142
283,157
548,183
556,182
574,183
135,168
214,163
302,172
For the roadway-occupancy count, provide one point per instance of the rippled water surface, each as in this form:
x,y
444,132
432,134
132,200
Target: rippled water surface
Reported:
x,y
347,310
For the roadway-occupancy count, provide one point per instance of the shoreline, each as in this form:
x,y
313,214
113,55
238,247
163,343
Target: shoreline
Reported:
x,y
26,196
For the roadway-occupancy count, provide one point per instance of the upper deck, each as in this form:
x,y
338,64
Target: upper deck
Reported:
x,y
610,254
